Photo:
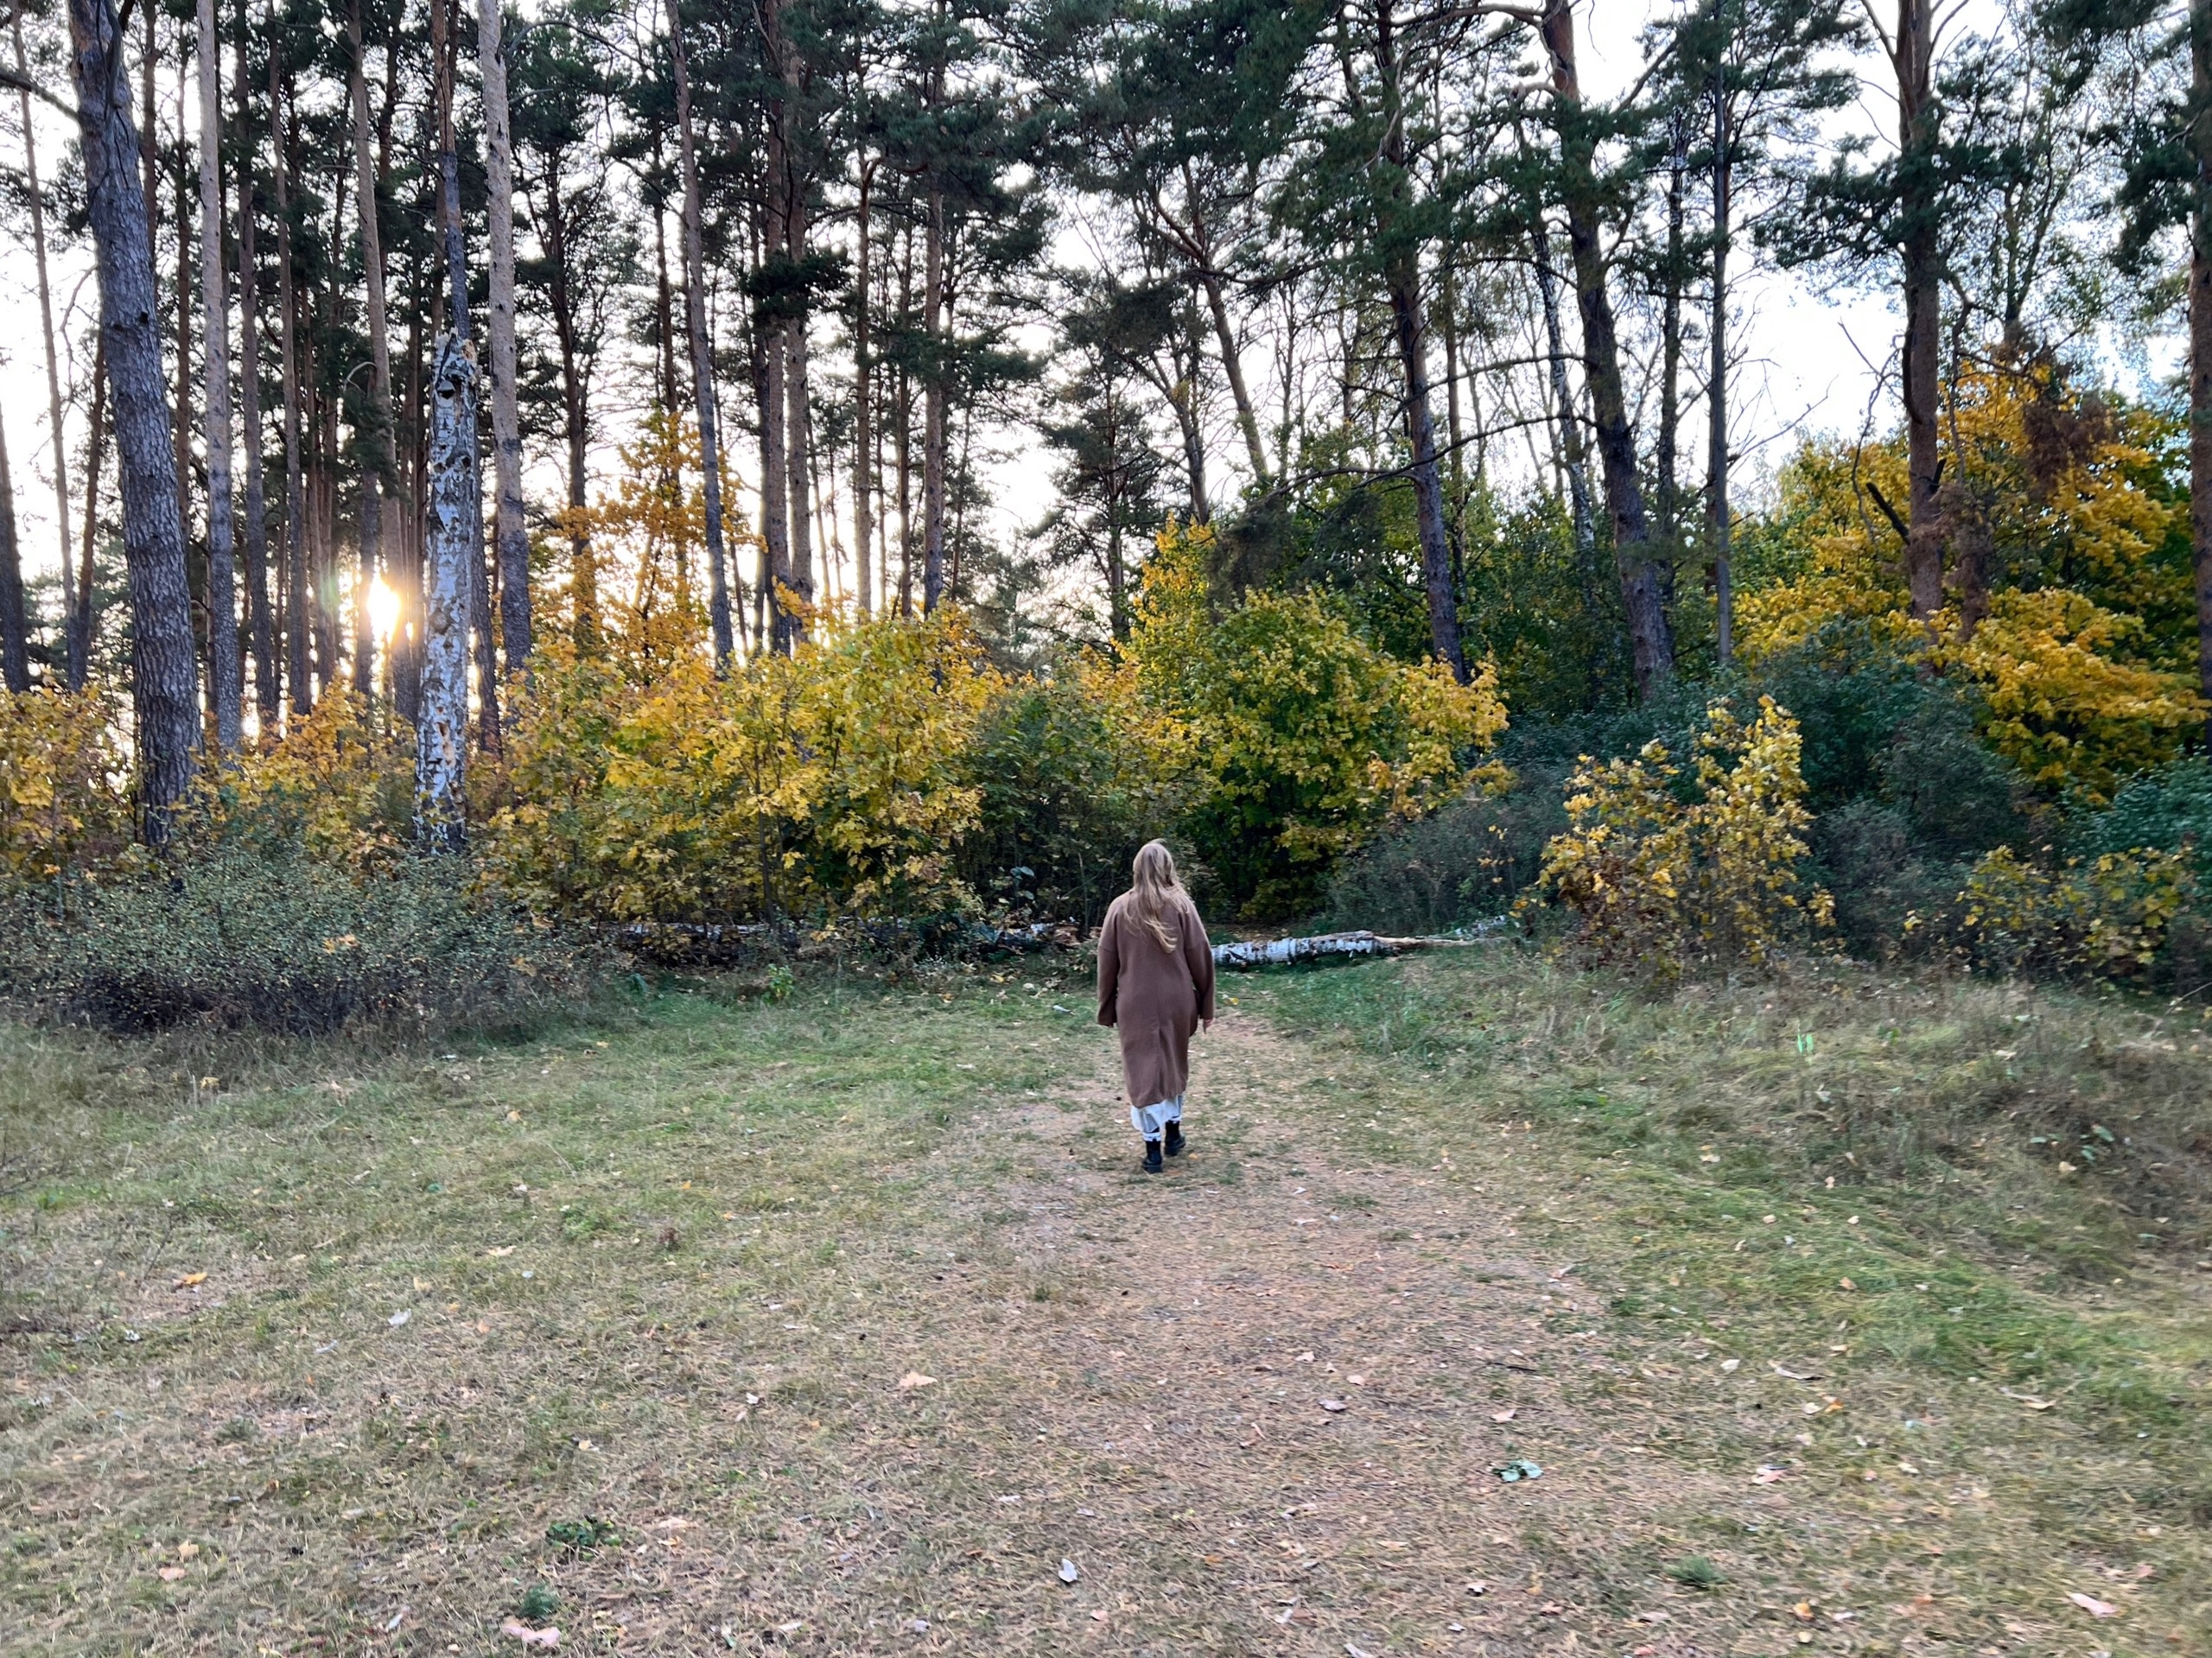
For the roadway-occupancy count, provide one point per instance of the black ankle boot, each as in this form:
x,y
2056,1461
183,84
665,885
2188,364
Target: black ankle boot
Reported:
x,y
1174,1140
1151,1163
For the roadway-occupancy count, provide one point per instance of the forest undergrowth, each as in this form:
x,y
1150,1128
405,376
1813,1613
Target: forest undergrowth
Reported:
x,y
1845,1311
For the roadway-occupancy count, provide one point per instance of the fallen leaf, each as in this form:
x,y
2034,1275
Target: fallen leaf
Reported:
x,y
1069,1573
1357,1381
548,1637
1332,1404
1730,1365
914,1379
2092,1605
1768,1474
1845,1284
502,1252
190,1280
1504,1415
1803,1609
169,1573
2029,1400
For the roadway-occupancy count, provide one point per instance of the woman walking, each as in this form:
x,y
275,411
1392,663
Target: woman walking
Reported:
x,y
1155,984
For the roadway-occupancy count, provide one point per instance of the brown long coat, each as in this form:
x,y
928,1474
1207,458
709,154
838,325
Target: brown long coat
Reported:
x,y
1155,997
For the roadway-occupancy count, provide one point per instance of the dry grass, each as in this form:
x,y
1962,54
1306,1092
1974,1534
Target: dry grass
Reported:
x,y
670,1275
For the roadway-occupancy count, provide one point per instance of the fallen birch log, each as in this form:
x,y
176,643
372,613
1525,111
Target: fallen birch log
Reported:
x,y
1280,952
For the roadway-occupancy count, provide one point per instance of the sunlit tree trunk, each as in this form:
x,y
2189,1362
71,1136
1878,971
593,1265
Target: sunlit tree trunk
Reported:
x,y
164,685
222,583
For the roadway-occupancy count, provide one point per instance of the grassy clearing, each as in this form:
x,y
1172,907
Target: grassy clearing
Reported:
x,y
1968,1217
609,1324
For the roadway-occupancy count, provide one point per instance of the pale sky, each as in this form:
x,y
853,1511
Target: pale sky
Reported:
x,y
1809,359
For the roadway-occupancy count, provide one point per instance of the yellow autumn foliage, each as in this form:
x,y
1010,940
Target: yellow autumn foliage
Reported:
x,y
1659,884
1302,736
65,785
2067,590
828,781
2105,918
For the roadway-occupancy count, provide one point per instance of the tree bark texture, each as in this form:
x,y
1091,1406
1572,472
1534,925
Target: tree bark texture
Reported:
x,y
260,631
1643,578
703,357
289,372
1724,591
223,659
14,631
81,626
2200,335
377,469
441,732
933,399
164,681
510,539
1917,121
864,480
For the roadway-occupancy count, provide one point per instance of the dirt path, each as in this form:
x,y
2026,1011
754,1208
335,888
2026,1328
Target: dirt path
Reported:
x,y
1291,1382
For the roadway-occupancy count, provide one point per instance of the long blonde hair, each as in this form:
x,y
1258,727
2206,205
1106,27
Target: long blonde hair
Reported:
x,y
1152,878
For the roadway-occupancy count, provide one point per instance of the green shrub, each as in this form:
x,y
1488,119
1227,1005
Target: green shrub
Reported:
x,y
269,938
1863,853
1470,861
1059,813
2169,808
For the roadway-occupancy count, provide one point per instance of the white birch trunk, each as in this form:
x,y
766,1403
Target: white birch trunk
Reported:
x,y
441,734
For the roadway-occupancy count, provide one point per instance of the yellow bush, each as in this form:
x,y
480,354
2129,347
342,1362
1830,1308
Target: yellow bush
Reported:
x,y
341,780
1659,884
65,788
832,780
2106,919
1303,738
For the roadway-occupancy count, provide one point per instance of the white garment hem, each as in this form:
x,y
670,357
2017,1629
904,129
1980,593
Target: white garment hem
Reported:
x,y
1151,1120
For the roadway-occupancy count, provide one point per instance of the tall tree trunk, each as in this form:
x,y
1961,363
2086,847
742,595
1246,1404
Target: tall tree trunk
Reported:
x,y
81,618
863,413
165,693
46,323
702,359
222,581
260,631
1401,276
1665,449
510,539
799,428
1717,376
583,565
196,559
377,469
2200,334
289,374
1644,577
406,648
1570,427
933,398
1918,116
664,301
15,625
455,503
